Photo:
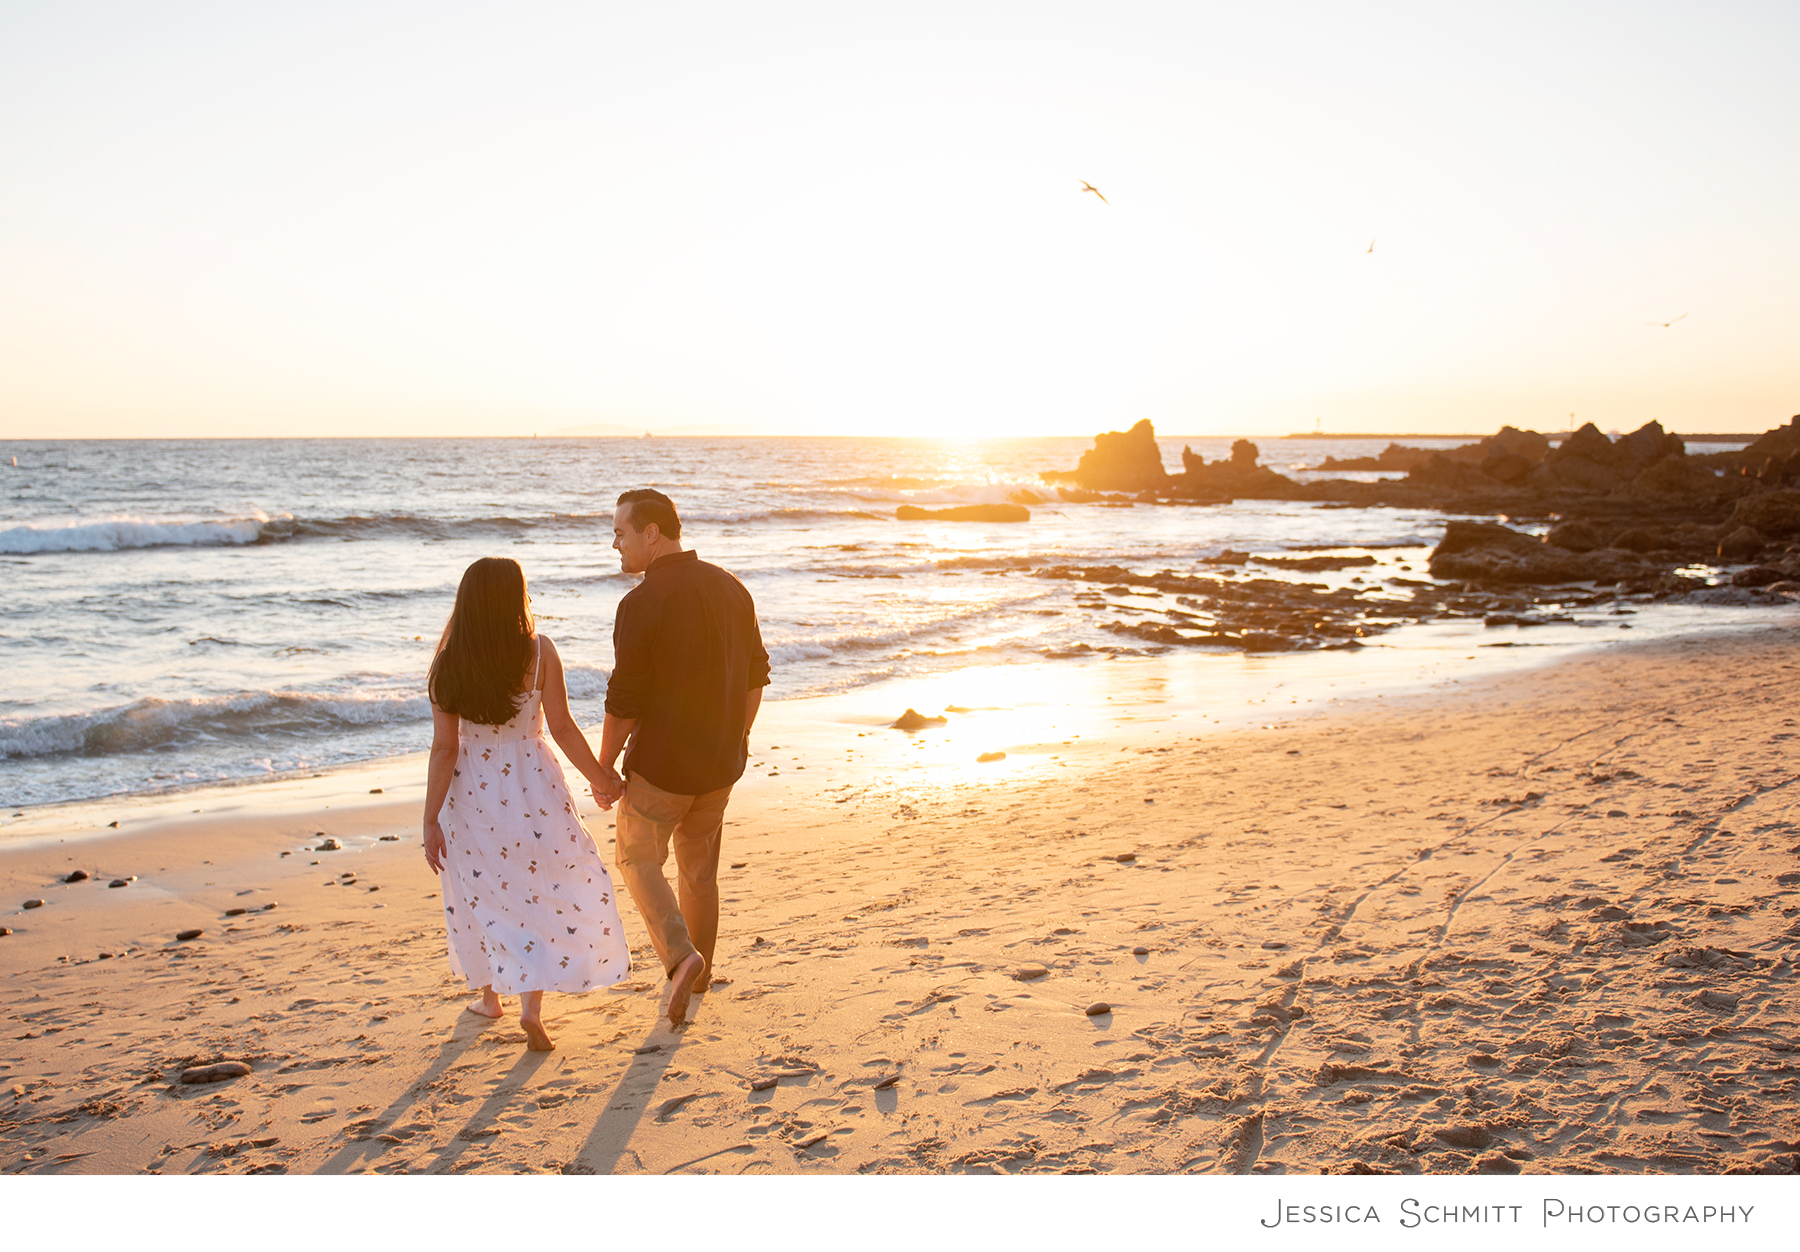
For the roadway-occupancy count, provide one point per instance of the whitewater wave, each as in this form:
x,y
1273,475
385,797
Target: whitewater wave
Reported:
x,y
114,534
153,724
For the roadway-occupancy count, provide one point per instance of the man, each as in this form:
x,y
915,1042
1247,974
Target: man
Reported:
x,y
688,672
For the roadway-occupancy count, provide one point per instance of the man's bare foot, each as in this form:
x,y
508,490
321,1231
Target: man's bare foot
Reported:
x,y
686,975
537,1039
487,1006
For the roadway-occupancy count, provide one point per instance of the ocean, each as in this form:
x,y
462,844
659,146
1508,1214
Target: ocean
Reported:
x,y
180,613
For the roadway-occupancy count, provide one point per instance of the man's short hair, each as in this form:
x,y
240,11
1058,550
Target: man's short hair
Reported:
x,y
650,505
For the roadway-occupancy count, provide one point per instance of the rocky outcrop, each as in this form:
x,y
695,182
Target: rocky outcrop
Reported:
x,y
1775,514
1119,461
965,513
1239,476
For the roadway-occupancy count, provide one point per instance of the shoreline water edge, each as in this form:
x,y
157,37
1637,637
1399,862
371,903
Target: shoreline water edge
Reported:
x,y
1537,921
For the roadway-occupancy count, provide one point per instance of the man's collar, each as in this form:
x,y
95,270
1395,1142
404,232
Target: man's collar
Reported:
x,y
686,555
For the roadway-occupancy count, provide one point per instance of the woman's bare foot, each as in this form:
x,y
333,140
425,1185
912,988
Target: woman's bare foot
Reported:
x,y
683,979
537,1039
488,1005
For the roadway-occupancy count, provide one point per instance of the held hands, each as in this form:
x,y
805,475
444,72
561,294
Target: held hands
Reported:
x,y
434,846
608,787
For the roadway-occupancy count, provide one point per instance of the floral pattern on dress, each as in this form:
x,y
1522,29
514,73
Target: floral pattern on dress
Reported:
x,y
528,904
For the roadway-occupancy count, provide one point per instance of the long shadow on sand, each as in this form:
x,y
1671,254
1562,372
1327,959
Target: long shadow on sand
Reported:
x,y
469,1029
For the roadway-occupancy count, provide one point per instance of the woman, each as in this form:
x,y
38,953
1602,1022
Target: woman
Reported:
x,y
527,902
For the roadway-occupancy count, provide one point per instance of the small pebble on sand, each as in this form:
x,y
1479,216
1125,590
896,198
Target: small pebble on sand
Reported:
x,y
390,839
1026,972
5,930
739,864
330,845
375,791
985,757
1140,950
80,875
215,1073
119,882
1273,945
112,825
763,1084
1099,1008
268,906
887,1082
34,904
236,912
1125,858
184,935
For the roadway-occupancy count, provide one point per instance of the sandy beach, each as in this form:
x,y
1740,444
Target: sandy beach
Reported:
x,y
1542,922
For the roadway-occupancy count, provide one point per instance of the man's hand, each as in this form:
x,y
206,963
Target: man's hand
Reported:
x,y
608,787
434,846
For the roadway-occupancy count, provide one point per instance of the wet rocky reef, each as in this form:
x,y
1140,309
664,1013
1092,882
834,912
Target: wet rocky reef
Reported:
x,y
1622,520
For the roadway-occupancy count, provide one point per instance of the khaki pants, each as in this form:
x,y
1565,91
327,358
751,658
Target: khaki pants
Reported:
x,y
650,819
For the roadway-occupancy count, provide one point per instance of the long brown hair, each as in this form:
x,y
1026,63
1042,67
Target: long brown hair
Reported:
x,y
487,646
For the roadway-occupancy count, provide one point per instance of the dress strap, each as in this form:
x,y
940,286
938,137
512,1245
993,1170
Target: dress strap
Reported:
x,y
537,669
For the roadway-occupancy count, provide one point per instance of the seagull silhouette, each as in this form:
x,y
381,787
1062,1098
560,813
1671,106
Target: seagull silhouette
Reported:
x,y
1371,245
1666,324
1087,186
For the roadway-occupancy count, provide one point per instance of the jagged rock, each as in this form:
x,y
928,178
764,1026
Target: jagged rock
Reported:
x,y
1741,544
1508,467
1578,536
1119,461
1650,443
1678,477
1641,539
1775,514
965,513
1757,576
1467,536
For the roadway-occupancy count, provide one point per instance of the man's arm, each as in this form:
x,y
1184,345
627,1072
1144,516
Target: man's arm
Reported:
x,y
752,703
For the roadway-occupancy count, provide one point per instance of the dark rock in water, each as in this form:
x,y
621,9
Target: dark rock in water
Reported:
x,y
1578,536
329,845
912,719
1775,514
1230,556
1741,544
1240,475
184,935
1099,1008
1119,461
965,513
80,875
1757,576
1641,539
34,904
215,1073
1467,536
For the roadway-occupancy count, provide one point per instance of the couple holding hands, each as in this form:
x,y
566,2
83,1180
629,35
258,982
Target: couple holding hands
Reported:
x,y
528,903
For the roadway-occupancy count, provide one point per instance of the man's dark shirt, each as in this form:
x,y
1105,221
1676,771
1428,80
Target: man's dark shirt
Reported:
x,y
686,653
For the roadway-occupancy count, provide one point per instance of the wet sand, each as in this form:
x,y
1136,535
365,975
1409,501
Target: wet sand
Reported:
x,y
1539,922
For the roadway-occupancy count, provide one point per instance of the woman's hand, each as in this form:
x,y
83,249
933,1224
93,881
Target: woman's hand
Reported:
x,y
434,846
608,787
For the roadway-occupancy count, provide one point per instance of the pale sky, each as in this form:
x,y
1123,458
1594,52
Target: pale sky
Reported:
x,y
368,218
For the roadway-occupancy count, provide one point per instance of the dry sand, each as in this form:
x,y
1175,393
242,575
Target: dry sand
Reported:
x,y
1544,922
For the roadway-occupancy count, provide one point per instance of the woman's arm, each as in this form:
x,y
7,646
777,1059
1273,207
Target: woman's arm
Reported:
x,y
437,782
560,721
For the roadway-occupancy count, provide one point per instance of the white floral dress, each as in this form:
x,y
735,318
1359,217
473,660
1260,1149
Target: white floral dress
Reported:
x,y
528,903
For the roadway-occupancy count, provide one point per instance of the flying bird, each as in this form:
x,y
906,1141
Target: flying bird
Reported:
x,y
1087,186
1666,324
